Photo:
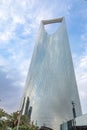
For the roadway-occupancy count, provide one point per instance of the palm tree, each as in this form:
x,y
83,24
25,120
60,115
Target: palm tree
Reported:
x,y
23,121
4,117
12,121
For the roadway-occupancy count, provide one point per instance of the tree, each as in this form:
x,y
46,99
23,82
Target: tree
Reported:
x,y
3,113
12,121
4,119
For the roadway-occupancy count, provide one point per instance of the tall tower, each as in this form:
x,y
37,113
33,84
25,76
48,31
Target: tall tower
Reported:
x,y
51,84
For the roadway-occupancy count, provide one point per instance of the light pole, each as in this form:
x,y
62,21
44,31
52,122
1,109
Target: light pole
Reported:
x,y
73,109
74,114
19,117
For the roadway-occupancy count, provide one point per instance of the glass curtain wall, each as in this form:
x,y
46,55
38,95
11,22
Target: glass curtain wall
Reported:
x,y
51,84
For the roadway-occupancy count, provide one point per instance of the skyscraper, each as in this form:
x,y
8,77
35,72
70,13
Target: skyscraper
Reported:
x,y
51,84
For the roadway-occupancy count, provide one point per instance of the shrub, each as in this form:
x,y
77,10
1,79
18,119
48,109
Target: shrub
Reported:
x,y
22,127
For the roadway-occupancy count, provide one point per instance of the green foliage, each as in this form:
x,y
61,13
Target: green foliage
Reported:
x,y
12,120
22,127
4,122
3,125
3,113
24,120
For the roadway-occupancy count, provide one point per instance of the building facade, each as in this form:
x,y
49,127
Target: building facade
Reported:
x,y
51,84
78,123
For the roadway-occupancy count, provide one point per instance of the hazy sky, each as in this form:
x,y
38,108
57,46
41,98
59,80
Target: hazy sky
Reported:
x,y
19,24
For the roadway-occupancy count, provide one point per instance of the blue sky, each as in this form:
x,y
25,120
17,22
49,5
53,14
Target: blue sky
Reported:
x,y
19,24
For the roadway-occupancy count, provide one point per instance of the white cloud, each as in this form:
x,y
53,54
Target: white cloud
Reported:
x,y
84,37
81,75
5,36
2,61
16,43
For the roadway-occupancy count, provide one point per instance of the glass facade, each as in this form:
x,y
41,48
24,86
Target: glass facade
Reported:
x,y
81,120
78,123
51,84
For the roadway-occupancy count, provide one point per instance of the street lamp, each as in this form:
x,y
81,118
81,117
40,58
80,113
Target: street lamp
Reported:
x,y
74,114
